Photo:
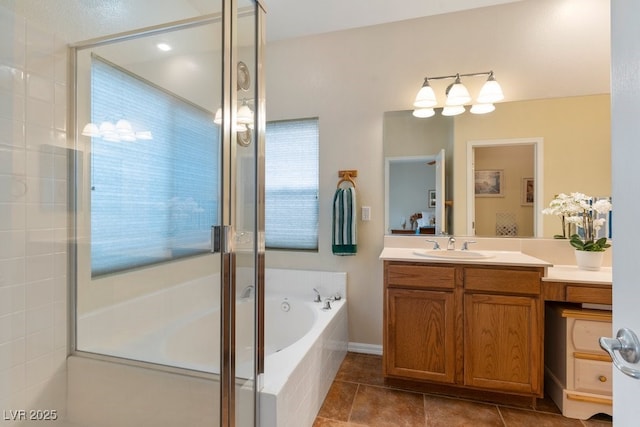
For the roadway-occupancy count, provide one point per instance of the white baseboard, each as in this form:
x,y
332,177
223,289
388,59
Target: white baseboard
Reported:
x,y
357,347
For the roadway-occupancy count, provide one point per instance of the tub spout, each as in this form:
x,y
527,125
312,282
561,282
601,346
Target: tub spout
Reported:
x,y
247,292
327,304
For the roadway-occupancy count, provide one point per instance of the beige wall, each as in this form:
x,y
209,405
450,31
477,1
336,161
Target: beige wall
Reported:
x,y
349,79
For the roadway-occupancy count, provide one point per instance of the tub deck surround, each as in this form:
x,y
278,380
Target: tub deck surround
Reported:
x,y
298,371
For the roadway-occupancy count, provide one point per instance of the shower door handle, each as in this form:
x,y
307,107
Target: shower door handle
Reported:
x,y
626,343
220,238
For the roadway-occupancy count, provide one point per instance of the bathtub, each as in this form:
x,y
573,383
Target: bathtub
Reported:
x,y
304,346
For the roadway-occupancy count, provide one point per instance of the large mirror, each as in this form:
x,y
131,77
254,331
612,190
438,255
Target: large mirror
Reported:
x,y
574,153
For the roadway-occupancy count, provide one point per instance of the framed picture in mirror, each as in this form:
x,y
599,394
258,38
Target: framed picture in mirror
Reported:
x,y
527,192
489,183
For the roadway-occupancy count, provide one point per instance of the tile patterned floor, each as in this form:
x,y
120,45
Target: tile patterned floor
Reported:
x,y
358,397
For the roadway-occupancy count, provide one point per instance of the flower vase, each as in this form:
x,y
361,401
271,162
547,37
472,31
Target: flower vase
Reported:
x,y
589,260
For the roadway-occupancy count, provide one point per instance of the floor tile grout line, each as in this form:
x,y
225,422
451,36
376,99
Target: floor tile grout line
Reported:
x,y
504,423
353,402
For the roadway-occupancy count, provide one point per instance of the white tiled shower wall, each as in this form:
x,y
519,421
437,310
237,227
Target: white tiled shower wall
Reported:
x,y
33,217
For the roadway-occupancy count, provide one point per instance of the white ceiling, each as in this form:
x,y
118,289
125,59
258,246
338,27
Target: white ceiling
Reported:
x,y
79,20
295,18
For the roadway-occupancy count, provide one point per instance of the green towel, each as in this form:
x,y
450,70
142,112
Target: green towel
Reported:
x,y
344,222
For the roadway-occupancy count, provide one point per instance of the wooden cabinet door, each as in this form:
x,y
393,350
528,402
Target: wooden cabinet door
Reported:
x,y
419,339
503,343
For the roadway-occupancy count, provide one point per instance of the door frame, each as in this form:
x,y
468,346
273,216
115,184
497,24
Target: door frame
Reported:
x,y
538,175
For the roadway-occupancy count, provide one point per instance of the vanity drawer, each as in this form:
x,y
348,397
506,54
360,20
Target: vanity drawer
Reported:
x,y
503,281
592,376
420,276
585,335
588,294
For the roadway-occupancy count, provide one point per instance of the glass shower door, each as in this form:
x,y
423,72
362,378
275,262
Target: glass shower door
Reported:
x,y
169,162
151,182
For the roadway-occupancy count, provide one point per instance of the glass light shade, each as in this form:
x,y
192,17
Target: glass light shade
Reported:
x,y
423,112
457,94
111,137
482,108
124,126
145,135
453,110
245,115
91,129
217,119
491,92
426,97
106,127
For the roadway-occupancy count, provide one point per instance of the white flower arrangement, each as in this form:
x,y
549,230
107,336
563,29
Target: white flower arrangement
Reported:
x,y
583,212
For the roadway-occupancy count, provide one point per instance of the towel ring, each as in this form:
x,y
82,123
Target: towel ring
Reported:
x,y
347,176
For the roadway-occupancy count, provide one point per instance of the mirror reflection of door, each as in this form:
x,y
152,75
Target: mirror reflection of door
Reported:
x,y
415,194
504,190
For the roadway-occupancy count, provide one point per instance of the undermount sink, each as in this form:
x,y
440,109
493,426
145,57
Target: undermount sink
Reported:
x,y
452,254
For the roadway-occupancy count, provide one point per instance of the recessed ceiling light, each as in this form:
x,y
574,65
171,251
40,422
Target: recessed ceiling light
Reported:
x,y
163,47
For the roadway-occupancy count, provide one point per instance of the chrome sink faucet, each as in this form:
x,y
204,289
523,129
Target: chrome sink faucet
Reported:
x,y
451,244
436,246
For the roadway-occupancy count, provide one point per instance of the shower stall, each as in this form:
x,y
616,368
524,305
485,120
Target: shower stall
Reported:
x,y
162,140
168,173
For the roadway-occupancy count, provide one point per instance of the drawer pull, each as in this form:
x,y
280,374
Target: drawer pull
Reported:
x,y
602,379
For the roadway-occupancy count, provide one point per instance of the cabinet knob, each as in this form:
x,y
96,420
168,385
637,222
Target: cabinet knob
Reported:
x,y
602,379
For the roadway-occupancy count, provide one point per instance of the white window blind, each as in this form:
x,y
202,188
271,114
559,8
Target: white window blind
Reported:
x,y
291,184
151,200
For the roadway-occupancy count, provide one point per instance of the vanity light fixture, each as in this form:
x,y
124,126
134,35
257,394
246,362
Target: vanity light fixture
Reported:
x,y
244,122
122,130
244,116
457,96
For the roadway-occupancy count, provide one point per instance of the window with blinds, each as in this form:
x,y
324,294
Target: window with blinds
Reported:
x,y
291,184
151,200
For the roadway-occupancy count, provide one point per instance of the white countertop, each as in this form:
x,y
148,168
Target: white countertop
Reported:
x,y
556,273
496,258
571,274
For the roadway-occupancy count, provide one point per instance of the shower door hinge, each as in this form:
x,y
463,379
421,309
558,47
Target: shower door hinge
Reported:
x,y
220,238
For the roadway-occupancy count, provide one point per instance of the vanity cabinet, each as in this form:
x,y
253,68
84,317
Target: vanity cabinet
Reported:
x,y
462,325
420,322
503,330
579,372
